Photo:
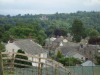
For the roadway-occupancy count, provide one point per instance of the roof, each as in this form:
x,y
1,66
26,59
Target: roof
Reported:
x,y
88,63
88,48
29,46
65,49
71,53
59,39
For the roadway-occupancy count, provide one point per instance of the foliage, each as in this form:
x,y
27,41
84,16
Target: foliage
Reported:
x,y
93,33
66,61
59,54
24,31
77,30
2,48
98,59
94,40
69,61
21,61
23,26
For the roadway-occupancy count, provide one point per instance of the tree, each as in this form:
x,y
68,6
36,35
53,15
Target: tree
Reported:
x,y
20,61
5,37
1,32
94,40
69,61
2,48
77,30
98,59
59,54
93,33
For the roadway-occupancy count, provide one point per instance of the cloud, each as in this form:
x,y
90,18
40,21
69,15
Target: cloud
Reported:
x,y
92,3
47,6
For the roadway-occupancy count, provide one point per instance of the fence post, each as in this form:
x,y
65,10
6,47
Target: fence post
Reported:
x,y
39,66
12,62
55,69
1,65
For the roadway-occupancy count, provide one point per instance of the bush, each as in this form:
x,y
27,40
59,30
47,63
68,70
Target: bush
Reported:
x,y
21,62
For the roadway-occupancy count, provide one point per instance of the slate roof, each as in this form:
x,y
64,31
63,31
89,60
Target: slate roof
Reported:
x,y
92,47
88,63
29,46
59,39
71,53
68,47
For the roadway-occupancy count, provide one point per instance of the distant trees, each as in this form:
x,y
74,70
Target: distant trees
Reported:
x,y
24,31
22,26
21,61
77,30
93,33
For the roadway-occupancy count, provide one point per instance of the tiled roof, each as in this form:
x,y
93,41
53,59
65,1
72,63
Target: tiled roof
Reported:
x,y
29,46
71,53
66,49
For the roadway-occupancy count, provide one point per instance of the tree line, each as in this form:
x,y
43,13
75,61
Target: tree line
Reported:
x,y
79,24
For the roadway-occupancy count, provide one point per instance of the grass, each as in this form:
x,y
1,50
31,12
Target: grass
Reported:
x,y
7,73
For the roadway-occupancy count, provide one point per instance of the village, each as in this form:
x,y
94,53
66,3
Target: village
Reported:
x,y
83,51
49,37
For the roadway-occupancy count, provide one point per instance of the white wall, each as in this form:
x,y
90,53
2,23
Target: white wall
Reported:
x,y
42,55
10,47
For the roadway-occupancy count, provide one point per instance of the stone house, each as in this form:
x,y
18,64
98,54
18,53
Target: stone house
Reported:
x,y
29,47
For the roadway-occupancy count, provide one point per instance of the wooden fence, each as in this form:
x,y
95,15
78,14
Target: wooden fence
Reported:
x,y
49,67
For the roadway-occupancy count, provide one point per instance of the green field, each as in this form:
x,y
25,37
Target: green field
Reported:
x,y
79,70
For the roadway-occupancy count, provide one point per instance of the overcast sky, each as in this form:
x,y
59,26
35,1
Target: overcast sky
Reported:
x,y
14,7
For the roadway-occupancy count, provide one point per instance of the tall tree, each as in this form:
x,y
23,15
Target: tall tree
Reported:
x,y
77,30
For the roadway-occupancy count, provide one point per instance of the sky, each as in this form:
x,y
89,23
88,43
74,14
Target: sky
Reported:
x,y
15,7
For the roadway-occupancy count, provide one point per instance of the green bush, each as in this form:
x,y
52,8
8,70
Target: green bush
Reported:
x,y
21,62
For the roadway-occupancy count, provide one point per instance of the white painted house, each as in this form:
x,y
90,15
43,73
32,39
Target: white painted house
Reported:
x,y
29,47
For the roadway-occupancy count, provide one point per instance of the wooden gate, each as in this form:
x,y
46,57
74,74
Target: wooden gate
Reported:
x,y
50,67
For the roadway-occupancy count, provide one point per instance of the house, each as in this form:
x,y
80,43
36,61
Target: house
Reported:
x,y
75,55
52,43
89,51
67,47
29,47
88,63
70,49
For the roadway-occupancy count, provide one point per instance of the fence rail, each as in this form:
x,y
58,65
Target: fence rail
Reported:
x,y
49,67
